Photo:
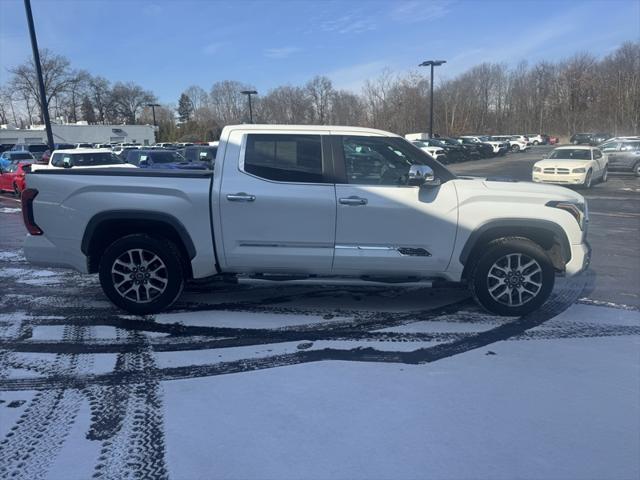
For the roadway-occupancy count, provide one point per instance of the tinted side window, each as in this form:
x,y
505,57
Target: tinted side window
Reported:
x,y
284,158
597,154
56,160
630,146
378,161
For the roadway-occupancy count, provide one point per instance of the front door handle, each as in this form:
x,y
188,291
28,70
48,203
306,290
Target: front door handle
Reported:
x,y
241,197
353,201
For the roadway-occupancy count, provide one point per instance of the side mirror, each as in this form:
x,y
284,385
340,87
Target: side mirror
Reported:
x,y
420,175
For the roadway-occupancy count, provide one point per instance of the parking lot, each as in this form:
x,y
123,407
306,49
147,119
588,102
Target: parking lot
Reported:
x,y
264,380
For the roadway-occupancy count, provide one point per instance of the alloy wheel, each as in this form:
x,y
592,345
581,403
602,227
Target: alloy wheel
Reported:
x,y
139,275
514,279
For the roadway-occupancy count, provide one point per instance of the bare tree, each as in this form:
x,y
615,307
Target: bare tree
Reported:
x,y
129,99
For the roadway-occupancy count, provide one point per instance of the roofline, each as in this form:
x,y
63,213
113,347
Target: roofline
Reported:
x,y
327,128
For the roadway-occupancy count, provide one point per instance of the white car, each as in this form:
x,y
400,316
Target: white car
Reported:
x,y
572,165
435,152
536,139
499,147
83,157
516,144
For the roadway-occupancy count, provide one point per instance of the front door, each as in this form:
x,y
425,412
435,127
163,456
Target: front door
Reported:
x,y
277,203
384,226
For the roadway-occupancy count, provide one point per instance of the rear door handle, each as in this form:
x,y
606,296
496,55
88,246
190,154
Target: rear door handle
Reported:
x,y
353,201
241,197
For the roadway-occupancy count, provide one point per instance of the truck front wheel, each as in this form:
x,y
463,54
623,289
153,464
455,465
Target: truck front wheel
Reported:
x,y
142,274
513,276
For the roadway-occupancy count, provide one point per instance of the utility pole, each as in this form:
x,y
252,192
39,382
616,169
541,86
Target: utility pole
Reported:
x,y
431,63
248,93
153,111
36,60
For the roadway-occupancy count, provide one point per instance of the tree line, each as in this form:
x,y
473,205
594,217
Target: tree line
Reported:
x,y
581,93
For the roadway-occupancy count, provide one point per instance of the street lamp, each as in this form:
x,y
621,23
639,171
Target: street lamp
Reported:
x,y
431,63
248,93
153,110
44,106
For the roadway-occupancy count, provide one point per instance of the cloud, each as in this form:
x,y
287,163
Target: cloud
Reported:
x,y
354,77
282,52
349,23
213,48
420,11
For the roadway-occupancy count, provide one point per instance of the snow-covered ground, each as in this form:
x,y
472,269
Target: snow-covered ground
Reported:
x,y
263,381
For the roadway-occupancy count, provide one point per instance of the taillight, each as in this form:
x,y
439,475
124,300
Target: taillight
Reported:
x,y
27,211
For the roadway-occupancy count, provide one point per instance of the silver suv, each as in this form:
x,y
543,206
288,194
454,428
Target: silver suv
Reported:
x,y
624,155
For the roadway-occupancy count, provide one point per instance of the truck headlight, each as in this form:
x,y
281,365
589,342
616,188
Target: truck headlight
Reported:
x,y
537,169
579,211
578,170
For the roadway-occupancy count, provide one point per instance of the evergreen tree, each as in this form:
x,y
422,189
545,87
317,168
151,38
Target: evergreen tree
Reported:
x,y
185,108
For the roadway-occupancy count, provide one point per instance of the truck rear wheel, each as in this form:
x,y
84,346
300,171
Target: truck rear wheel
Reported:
x,y
142,274
514,276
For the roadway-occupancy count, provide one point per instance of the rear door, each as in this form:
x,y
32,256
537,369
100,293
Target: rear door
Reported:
x,y
384,226
277,202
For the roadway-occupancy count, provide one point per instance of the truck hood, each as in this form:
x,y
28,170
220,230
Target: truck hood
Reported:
x,y
554,192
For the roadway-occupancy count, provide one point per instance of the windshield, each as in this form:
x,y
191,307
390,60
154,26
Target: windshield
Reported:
x,y
85,159
163,157
571,154
21,156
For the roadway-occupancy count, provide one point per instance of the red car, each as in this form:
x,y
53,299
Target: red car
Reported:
x,y
12,177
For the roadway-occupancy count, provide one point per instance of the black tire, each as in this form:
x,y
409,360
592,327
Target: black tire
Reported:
x,y
536,143
154,264
588,180
485,287
636,169
605,174
16,190
515,148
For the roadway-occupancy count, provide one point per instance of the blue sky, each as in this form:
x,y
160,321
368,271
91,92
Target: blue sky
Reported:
x,y
167,45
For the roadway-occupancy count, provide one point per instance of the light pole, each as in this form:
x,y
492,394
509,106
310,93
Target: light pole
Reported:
x,y
36,60
153,111
248,93
431,63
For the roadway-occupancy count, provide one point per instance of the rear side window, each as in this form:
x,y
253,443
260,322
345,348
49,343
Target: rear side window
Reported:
x,y
284,158
630,146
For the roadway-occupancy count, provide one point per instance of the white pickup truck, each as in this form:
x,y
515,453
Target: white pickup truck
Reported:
x,y
285,202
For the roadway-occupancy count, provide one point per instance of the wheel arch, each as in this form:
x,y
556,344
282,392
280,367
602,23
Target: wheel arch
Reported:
x,y
106,227
549,235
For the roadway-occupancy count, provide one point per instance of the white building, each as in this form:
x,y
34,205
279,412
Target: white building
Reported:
x,y
142,134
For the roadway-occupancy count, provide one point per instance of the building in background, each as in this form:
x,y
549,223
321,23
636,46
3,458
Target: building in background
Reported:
x,y
78,133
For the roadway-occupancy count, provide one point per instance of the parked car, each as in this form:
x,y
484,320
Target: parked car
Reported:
x,y
166,145
538,138
281,205
438,153
6,146
200,153
573,165
553,140
84,145
581,138
454,151
483,150
623,155
46,155
161,159
82,157
598,138
8,157
35,148
498,147
12,177
516,142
